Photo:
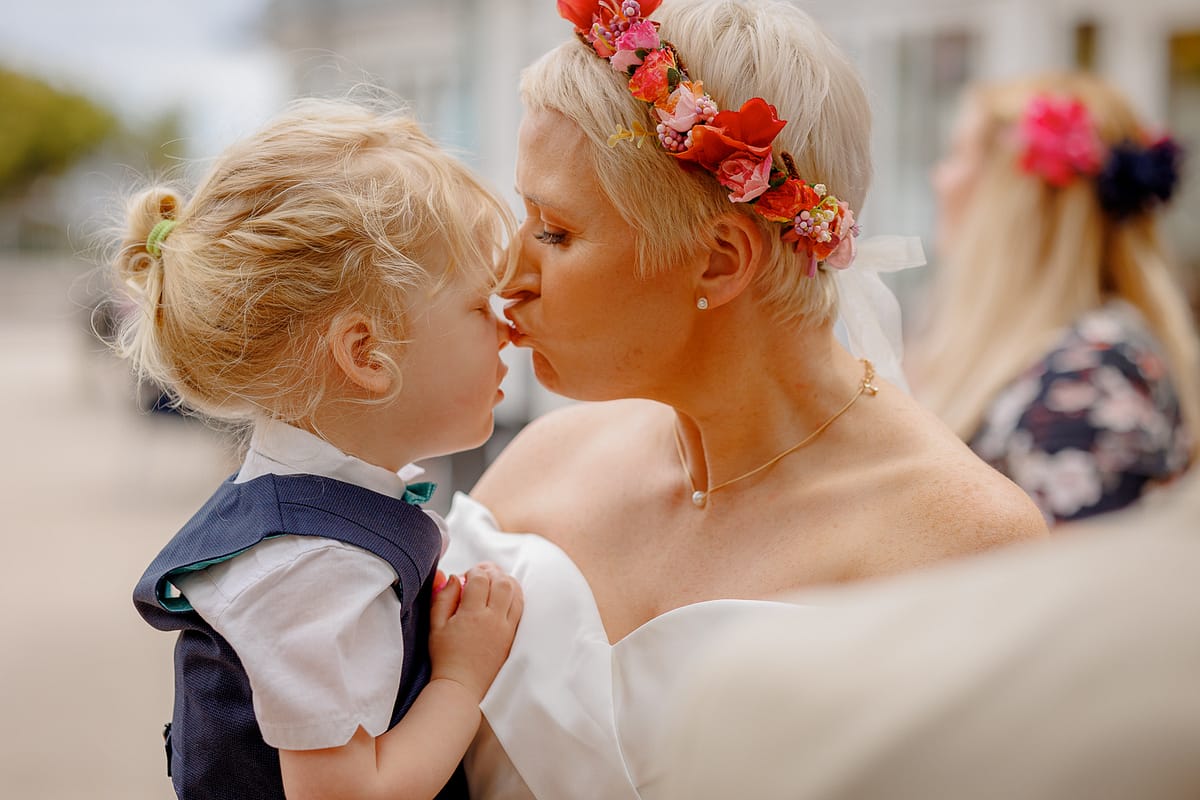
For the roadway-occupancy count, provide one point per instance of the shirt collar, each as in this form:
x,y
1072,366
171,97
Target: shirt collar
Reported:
x,y
282,449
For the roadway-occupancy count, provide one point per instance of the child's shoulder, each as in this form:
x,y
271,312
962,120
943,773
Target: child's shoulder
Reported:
x,y
288,559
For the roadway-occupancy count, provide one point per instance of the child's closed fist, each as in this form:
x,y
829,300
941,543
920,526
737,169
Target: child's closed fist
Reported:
x,y
472,625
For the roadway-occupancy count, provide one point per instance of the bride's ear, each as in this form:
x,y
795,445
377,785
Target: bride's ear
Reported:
x,y
352,342
733,258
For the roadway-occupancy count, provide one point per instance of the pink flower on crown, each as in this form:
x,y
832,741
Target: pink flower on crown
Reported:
x,y
640,36
622,60
1059,140
680,112
652,83
746,175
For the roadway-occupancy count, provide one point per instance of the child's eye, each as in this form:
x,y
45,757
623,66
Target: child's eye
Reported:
x,y
548,237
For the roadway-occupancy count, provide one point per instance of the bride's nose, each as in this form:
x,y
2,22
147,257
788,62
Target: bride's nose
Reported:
x,y
525,280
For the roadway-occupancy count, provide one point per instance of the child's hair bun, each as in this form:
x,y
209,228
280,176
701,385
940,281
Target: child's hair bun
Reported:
x,y
141,273
136,265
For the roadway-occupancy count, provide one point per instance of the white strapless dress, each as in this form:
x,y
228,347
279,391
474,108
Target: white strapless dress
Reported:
x,y
570,715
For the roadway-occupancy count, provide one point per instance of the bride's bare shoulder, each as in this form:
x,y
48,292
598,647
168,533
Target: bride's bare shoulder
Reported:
x,y
554,446
955,502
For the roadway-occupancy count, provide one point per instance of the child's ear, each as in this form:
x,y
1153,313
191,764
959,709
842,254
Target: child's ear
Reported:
x,y
352,341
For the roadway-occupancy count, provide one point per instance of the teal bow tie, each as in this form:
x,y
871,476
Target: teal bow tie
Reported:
x,y
418,493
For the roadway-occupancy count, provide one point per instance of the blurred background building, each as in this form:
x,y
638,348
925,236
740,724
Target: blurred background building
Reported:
x,y
94,97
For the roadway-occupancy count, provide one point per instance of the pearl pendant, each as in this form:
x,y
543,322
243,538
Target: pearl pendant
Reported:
x,y
699,499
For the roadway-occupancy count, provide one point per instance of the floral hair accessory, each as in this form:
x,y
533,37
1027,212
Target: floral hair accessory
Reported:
x,y
1059,141
734,146
1136,178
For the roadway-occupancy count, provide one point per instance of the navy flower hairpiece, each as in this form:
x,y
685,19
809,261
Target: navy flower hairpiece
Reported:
x,y
1135,177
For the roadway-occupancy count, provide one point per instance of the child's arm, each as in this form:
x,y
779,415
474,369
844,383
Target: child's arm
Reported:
x,y
471,631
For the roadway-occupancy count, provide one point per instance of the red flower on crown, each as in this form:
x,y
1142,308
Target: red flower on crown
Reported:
x,y
748,130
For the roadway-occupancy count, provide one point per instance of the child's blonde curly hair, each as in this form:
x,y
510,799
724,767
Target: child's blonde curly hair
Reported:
x,y
334,206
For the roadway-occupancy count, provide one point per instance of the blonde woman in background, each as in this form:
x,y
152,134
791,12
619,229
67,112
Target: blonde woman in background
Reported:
x,y
1059,345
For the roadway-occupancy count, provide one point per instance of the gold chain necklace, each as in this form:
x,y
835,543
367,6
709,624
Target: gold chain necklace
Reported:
x,y
700,497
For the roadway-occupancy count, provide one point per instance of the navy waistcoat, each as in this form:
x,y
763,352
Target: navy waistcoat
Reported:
x,y
215,748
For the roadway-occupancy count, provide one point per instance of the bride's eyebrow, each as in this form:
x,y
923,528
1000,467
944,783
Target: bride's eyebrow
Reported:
x,y
538,201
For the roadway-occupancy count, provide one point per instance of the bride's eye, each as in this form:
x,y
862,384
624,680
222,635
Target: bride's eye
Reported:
x,y
548,237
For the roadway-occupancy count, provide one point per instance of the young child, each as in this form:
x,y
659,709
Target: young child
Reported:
x,y
328,281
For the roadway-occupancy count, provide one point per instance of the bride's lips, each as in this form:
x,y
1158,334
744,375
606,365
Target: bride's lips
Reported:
x,y
515,333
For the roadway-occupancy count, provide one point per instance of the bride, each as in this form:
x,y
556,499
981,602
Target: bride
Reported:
x,y
685,268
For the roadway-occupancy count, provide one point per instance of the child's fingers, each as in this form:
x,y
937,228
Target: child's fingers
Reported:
x,y
517,608
503,589
445,602
439,580
486,566
478,587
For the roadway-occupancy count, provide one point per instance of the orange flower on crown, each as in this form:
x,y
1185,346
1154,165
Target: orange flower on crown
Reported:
x,y
651,83
784,202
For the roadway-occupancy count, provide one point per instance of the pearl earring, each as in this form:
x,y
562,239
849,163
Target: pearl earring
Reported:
x,y
702,303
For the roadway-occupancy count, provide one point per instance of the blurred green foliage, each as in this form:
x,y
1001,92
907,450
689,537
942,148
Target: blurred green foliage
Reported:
x,y
44,130
48,133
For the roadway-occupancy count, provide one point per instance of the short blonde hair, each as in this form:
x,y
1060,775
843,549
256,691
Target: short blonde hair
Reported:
x,y
333,206
738,49
1029,258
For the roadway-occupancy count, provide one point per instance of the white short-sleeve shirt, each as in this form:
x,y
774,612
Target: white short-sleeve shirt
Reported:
x,y
314,621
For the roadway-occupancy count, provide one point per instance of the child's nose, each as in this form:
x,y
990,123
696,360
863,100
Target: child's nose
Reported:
x,y
502,333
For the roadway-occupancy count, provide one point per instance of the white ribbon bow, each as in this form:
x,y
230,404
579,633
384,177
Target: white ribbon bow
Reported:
x,y
868,313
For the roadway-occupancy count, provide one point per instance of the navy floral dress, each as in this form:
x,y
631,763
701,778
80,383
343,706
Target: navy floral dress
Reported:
x,y
1092,425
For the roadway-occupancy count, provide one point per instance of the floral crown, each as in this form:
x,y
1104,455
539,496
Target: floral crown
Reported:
x,y
735,146
1059,142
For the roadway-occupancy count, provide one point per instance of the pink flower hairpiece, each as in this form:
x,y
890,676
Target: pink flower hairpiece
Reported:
x,y
1059,141
734,146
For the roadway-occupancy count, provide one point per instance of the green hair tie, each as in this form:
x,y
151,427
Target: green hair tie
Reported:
x,y
157,234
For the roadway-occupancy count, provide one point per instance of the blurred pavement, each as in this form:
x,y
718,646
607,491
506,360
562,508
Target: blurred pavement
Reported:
x,y
92,487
